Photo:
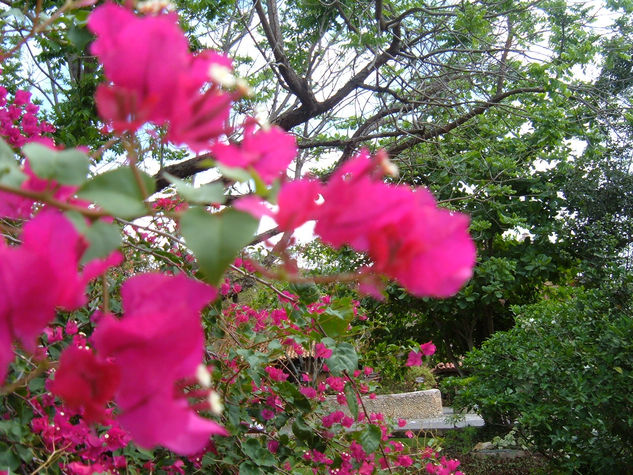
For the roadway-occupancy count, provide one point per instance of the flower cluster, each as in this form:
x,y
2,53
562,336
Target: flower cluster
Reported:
x,y
154,78
18,119
19,124
40,275
425,248
415,357
141,359
93,449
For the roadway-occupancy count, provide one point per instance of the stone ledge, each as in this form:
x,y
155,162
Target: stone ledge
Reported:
x,y
414,405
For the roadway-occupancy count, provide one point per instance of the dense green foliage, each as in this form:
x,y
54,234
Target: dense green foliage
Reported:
x,y
563,375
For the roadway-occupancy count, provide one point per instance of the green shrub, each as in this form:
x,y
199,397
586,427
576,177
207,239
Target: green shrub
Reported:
x,y
388,361
564,376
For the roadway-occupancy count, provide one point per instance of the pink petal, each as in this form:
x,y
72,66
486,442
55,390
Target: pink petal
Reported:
x,y
166,421
253,206
297,203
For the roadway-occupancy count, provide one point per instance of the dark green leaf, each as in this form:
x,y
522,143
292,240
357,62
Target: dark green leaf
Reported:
x,y
370,438
205,194
103,238
308,293
79,37
216,239
118,193
249,468
344,358
68,167
251,447
352,401
336,317
290,392
302,431
258,454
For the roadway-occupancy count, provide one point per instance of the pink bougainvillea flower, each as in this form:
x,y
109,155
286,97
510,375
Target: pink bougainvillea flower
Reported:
x,y
39,276
267,151
253,206
297,203
357,202
143,57
85,382
158,342
428,348
162,419
198,118
14,206
431,468
71,327
414,359
405,461
321,351
155,78
372,285
276,374
425,248
308,392
53,239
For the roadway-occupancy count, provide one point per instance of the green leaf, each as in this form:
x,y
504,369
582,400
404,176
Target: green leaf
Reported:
x,y
103,238
118,193
336,317
79,37
307,292
370,438
302,431
290,392
251,447
6,153
8,460
68,167
235,174
352,400
344,358
11,175
258,454
216,239
249,468
205,194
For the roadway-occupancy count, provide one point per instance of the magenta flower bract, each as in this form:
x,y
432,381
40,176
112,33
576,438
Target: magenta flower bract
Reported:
x,y
158,342
414,359
425,248
156,79
428,348
85,382
297,203
143,57
268,151
39,276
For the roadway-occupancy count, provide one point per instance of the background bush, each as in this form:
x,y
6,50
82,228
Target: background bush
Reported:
x,y
563,375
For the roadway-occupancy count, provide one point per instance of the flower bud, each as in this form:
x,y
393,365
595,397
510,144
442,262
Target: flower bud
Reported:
x,y
216,403
203,376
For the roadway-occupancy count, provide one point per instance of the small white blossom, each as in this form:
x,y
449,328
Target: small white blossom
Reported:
x,y
203,376
216,403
